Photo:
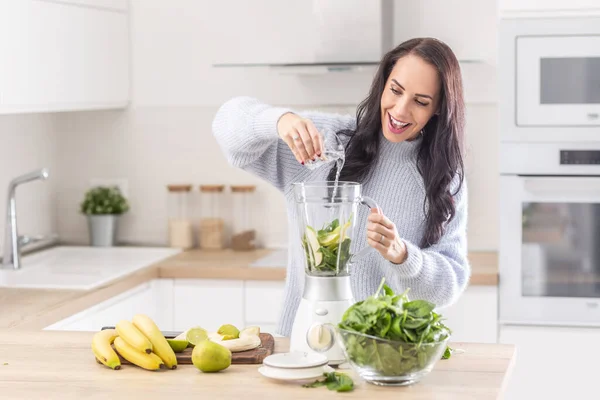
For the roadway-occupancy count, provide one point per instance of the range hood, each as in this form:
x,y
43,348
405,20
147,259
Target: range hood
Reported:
x,y
324,35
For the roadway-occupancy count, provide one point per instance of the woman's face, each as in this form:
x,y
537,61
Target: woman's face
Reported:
x,y
409,99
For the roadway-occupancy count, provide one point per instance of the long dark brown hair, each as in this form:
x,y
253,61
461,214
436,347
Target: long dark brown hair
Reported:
x,y
440,155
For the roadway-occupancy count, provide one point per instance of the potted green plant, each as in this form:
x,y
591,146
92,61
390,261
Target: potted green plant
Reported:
x,y
103,206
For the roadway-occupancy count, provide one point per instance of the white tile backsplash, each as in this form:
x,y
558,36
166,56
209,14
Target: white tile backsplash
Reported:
x,y
29,142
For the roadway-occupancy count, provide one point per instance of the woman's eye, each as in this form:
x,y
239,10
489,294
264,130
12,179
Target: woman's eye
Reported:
x,y
395,91
421,103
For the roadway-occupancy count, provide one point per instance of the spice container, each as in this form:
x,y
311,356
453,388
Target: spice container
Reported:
x,y
212,226
243,235
180,225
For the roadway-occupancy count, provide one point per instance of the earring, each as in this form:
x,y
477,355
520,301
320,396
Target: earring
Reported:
x,y
421,133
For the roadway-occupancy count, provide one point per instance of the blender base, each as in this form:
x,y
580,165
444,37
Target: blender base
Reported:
x,y
321,305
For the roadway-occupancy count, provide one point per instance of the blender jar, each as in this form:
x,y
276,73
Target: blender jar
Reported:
x,y
243,234
180,225
326,214
212,225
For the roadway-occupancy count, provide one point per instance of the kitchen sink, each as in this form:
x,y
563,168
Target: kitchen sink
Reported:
x,y
81,267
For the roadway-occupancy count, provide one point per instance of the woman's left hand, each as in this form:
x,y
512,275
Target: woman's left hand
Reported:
x,y
383,236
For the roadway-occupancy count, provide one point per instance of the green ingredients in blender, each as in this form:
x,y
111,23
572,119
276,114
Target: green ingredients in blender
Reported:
x,y
413,325
327,249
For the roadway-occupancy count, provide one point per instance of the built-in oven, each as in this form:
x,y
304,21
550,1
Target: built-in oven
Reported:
x,y
550,250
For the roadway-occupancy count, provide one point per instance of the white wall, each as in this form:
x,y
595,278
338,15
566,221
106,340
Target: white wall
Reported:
x,y
28,142
165,137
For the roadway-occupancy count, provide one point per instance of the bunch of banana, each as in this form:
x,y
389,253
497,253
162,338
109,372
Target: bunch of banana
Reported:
x,y
139,341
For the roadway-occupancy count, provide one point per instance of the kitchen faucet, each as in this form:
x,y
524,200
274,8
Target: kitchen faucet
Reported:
x,y
12,240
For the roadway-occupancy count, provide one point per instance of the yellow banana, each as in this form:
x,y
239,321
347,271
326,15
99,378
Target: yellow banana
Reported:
x,y
101,346
160,346
149,361
247,342
133,336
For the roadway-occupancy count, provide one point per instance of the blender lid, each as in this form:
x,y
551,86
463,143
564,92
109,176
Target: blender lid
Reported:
x,y
295,359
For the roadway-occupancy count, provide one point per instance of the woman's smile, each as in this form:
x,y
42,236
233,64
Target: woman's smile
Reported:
x,y
397,126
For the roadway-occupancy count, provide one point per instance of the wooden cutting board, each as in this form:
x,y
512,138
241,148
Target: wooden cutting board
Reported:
x,y
254,356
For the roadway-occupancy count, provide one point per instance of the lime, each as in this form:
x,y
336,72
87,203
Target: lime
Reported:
x,y
229,332
178,345
196,335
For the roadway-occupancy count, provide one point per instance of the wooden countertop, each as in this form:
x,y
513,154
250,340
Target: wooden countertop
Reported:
x,y
38,308
222,264
235,265
60,365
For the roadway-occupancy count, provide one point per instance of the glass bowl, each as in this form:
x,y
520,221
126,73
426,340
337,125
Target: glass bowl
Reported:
x,y
389,362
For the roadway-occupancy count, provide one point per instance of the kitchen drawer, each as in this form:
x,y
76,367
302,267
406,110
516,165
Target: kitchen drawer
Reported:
x,y
208,303
474,317
552,362
140,299
263,301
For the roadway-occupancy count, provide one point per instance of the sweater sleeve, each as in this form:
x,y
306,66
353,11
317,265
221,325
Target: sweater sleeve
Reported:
x,y
441,272
246,130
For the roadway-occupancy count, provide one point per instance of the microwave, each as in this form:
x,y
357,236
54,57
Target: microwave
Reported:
x,y
549,79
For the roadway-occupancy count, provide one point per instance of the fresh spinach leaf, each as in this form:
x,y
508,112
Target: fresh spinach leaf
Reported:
x,y
337,381
419,308
447,353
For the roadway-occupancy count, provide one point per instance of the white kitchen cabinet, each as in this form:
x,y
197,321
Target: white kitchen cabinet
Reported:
x,y
150,298
319,31
262,304
542,7
467,26
552,362
474,317
211,303
208,303
63,56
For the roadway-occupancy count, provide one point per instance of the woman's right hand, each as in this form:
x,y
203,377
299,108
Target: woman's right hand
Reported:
x,y
301,136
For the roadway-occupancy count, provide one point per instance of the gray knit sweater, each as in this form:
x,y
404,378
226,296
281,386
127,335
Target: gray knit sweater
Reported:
x,y
246,130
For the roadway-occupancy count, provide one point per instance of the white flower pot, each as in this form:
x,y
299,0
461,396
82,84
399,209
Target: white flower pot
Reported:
x,y
103,230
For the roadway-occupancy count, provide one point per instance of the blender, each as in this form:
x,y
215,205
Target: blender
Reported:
x,y
326,216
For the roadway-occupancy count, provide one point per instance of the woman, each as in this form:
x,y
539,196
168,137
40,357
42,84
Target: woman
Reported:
x,y
406,148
